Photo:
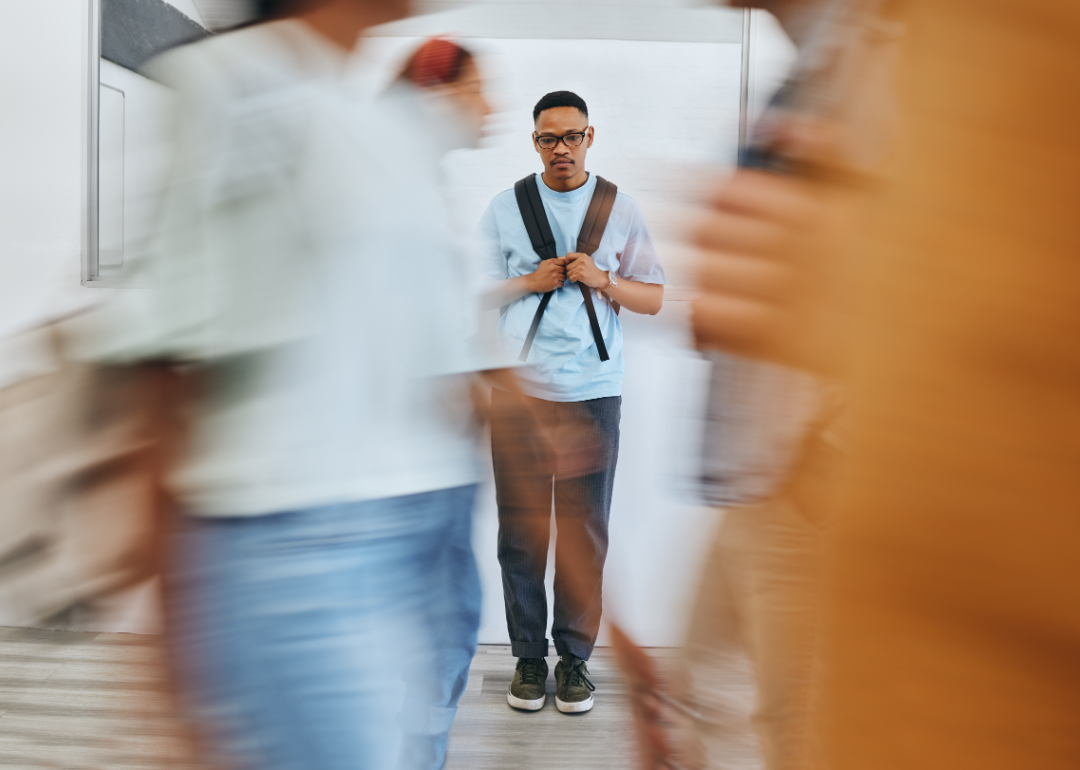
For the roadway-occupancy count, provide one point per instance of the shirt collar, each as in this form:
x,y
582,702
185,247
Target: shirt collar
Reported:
x,y
572,196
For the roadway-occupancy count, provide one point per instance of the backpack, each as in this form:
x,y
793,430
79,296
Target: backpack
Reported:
x,y
543,243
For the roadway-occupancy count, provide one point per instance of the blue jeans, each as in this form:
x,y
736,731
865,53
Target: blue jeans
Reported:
x,y
294,631
524,487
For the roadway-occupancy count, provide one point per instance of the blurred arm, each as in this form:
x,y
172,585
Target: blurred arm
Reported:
x,y
772,251
550,275
637,297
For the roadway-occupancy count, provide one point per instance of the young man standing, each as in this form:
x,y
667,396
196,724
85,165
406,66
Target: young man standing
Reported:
x,y
572,349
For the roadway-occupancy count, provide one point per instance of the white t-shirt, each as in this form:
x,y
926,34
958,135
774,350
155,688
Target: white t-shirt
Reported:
x,y
304,261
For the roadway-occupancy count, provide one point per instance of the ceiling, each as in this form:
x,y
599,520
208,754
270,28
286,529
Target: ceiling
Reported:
x,y
652,20
672,20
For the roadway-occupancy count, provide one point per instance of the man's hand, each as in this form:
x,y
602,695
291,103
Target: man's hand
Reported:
x,y
581,269
549,276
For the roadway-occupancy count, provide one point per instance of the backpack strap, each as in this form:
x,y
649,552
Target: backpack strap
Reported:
x,y
534,216
596,218
592,232
543,242
542,239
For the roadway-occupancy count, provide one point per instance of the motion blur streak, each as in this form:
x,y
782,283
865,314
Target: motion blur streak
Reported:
x,y
955,601
951,628
900,566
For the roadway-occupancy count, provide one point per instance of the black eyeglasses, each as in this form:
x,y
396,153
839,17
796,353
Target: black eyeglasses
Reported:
x,y
570,140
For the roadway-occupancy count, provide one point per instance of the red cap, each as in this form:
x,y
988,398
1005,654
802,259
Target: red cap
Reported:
x,y
436,62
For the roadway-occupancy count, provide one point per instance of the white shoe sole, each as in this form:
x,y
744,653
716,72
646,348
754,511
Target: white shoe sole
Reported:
x,y
525,705
574,708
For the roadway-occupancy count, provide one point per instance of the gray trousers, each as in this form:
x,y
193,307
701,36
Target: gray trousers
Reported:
x,y
524,485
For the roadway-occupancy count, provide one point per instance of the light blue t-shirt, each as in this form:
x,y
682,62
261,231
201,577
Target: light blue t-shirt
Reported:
x,y
564,364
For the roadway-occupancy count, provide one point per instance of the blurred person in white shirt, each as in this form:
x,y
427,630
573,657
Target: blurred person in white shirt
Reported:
x,y
306,279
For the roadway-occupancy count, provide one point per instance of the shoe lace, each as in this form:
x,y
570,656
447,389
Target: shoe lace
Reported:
x,y
532,672
576,675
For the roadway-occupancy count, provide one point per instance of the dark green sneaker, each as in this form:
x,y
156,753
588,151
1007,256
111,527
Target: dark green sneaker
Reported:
x,y
528,691
573,690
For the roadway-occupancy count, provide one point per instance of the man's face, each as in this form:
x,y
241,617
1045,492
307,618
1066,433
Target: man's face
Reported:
x,y
561,161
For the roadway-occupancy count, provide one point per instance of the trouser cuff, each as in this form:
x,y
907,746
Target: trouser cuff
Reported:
x,y
529,649
575,647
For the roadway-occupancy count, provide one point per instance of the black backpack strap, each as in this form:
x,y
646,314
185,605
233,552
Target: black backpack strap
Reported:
x,y
596,218
534,216
592,232
543,242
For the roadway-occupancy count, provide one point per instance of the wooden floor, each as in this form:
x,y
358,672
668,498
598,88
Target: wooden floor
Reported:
x,y
490,734
84,700
77,700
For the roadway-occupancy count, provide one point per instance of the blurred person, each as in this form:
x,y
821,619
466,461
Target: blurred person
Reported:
x,y
774,432
952,629
328,467
438,104
77,466
449,78
570,339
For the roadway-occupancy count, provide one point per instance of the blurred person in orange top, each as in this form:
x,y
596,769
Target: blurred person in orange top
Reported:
x,y
952,610
772,432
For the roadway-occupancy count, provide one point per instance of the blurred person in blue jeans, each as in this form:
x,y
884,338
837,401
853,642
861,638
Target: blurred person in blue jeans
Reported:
x,y
305,282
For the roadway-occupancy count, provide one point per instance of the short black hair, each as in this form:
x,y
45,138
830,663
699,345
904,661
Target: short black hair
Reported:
x,y
560,99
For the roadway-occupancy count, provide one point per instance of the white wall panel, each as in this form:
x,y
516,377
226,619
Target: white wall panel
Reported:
x,y
146,133
666,114
42,66
667,119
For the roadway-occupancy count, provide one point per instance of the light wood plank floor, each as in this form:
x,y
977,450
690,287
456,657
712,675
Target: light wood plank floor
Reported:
x,y
490,734
77,700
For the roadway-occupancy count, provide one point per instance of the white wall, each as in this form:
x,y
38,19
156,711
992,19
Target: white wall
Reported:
x,y
658,533
43,72
42,53
665,112
666,116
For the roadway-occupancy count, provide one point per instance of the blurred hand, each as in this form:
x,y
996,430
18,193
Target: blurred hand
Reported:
x,y
571,449
575,450
549,276
773,248
581,269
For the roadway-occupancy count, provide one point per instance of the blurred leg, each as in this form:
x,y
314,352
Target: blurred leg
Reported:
x,y
523,485
451,616
294,626
783,631
715,660
582,509
758,598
